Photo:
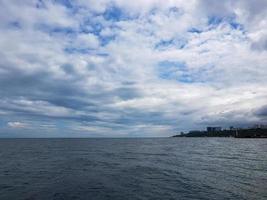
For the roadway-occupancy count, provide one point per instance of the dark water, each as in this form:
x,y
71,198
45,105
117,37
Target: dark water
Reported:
x,y
170,168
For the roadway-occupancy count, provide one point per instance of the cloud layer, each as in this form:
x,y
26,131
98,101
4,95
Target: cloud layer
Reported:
x,y
114,68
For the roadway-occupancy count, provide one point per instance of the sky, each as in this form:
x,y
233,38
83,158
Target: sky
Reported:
x,y
142,68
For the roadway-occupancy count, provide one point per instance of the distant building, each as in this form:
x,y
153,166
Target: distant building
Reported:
x,y
261,126
194,131
214,129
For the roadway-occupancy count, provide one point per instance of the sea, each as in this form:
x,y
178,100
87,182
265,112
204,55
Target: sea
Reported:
x,y
140,168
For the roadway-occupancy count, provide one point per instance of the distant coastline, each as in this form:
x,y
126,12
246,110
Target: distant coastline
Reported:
x,y
255,132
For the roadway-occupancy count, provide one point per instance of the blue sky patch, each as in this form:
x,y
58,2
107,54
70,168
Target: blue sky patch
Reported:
x,y
194,30
73,50
176,43
66,3
235,25
171,69
114,13
214,20
231,20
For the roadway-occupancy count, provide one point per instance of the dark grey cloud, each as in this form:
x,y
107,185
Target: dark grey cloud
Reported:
x,y
262,112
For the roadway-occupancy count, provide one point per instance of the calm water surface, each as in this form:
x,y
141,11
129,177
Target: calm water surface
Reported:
x,y
101,169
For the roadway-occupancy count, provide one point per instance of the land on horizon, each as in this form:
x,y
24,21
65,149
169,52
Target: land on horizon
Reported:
x,y
252,132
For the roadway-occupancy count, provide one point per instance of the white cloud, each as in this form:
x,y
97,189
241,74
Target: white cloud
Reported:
x,y
37,107
87,41
17,125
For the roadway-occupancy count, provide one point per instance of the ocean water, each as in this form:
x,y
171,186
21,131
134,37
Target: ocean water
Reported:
x,y
101,169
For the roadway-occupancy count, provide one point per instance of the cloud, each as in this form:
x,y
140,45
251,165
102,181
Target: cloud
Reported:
x,y
260,44
262,112
132,68
17,125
